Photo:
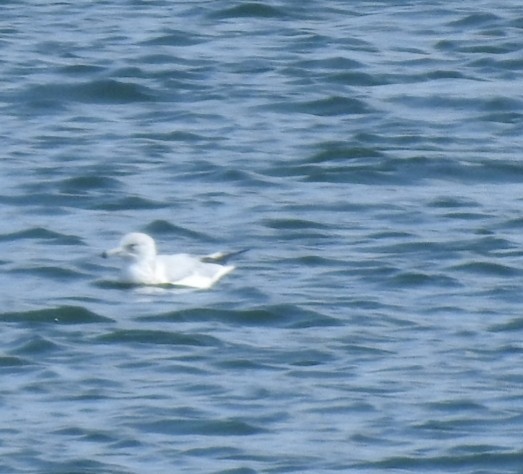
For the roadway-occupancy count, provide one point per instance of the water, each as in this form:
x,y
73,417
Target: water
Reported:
x,y
367,154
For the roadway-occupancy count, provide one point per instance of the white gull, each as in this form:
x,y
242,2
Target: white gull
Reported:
x,y
143,266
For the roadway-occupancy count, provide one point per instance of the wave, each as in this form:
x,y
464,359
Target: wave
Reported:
x,y
56,315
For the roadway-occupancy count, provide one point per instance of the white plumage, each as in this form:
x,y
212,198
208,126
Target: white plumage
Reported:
x,y
143,266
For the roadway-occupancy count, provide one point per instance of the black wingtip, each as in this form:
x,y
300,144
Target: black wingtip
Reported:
x,y
224,257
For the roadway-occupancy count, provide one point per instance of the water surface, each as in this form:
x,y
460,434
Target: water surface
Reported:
x,y
367,154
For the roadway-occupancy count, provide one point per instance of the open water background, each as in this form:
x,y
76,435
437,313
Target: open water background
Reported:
x,y
369,154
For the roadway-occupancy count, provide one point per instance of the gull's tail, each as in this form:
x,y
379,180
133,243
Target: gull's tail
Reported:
x,y
221,257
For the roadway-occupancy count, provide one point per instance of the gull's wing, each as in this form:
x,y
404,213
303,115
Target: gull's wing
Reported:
x,y
187,270
204,277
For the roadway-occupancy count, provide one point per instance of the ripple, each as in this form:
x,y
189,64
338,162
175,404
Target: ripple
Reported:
x,y
173,38
102,91
128,203
229,427
143,336
161,226
50,273
40,233
276,315
58,315
486,268
37,345
88,183
249,10
482,460
11,361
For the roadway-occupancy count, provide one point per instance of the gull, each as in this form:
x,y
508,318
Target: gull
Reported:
x,y
143,266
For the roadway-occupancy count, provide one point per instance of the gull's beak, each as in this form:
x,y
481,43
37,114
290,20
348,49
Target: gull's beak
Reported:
x,y
110,253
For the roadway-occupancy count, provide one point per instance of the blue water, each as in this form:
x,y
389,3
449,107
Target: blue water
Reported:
x,y
368,154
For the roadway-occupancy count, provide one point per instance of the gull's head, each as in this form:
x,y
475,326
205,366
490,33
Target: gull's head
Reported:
x,y
135,247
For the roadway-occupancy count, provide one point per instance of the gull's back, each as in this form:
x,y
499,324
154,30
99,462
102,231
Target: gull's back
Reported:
x,y
187,270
